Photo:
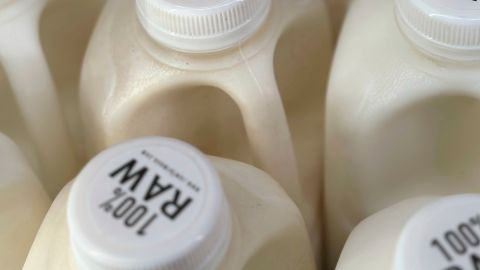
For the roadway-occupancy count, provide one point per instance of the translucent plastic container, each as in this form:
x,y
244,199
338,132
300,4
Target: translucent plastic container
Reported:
x,y
23,204
402,109
248,87
426,233
158,203
65,28
38,39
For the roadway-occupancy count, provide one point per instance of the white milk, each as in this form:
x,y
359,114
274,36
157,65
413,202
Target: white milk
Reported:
x,y
31,111
403,107
23,204
418,234
158,203
223,85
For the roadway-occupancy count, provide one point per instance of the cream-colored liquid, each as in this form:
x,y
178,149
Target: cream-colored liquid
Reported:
x,y
226,104
23,204
31,113
268,231
399,122
11,123
373,243
65,30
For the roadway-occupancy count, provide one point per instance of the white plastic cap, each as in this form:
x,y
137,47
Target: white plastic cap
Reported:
x,y
446,28
152,203
201,26
442,235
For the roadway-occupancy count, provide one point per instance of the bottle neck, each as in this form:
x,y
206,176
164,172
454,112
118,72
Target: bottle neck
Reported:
x,y
265,38
214,27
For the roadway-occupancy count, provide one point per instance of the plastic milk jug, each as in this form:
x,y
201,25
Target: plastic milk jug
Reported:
x,y
237,79
30,109
65,29
23,204
158,203
418,234
403,107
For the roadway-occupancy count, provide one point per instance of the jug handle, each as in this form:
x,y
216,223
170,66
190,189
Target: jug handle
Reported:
x,y
28,73
252,85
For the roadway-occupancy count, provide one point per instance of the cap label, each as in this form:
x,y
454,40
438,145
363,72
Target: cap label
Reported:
x,y
142,193
129,179
461,240
443,236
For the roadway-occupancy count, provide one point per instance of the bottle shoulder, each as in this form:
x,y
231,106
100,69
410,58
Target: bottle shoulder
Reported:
x,y
261,210
387,77
265,220
246,185
381,242
120,38
372,46
50,249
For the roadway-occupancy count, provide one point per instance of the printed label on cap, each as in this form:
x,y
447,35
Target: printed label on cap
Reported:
x,y
442,236
147,196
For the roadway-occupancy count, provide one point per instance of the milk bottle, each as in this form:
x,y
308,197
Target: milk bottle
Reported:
x,y
402,109
418,234
26,81
23,204
158,203
65,29
214,73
